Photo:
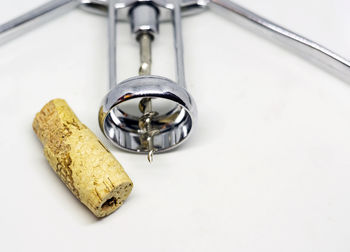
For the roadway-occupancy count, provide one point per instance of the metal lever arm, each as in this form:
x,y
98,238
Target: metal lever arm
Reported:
x,y
307,48
34,17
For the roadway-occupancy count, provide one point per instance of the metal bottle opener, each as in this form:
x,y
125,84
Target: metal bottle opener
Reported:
x,y
147,113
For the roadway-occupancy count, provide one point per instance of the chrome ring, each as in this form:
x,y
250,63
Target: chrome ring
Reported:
x,y
175,123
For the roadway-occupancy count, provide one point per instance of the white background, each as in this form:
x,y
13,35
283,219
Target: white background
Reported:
x,y
267,169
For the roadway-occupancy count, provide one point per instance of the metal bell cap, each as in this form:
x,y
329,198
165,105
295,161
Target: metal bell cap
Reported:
x,y
174,123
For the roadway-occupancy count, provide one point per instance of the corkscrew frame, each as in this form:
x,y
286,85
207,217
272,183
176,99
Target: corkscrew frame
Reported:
x,y
310,50
151,131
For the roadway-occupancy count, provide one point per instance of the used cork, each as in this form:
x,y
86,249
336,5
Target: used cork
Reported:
x,y
81,161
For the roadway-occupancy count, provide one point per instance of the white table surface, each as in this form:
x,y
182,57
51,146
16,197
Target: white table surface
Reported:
x,y
267,169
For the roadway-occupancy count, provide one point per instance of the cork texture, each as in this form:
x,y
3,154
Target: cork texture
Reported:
x,y
81,161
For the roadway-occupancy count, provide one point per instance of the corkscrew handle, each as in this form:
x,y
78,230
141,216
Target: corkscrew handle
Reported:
x,y
305,47
39,15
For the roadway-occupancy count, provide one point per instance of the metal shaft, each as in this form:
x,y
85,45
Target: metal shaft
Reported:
x,y
145,25
145,105
179,48
112,43
145,41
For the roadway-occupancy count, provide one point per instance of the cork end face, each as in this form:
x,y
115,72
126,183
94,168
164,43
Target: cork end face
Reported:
x,y
114,200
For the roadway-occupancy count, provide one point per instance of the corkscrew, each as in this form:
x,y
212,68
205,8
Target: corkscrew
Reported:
x,y
148,113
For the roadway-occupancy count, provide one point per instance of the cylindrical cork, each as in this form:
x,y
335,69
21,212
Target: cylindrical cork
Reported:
x,y
82,162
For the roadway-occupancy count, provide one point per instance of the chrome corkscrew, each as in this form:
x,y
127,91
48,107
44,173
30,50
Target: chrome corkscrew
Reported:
x,y
148,113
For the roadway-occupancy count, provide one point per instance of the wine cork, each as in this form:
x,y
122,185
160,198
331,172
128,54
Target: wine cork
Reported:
x,y
81,161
